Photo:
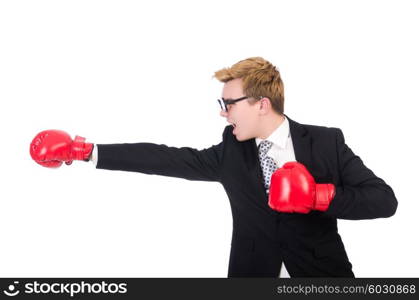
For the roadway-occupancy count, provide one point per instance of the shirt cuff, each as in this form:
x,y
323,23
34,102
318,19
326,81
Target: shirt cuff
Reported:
x,y
94,156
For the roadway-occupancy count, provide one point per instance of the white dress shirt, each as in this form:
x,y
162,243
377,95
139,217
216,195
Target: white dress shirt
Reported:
x,y
93,158
282,151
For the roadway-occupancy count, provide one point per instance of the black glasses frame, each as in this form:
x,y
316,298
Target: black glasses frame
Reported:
x,y
225,102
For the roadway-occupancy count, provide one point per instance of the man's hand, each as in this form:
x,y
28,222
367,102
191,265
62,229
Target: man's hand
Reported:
x,y
293,189
50,148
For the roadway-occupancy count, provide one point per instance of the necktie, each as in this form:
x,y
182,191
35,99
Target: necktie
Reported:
x,y
267,163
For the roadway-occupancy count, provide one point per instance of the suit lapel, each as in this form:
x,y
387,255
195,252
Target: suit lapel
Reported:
x,y
252,159
301,142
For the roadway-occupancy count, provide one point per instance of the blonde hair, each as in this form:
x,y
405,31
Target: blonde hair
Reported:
x,y
260,79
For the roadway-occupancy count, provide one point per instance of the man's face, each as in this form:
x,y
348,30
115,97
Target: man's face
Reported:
x,y
242,115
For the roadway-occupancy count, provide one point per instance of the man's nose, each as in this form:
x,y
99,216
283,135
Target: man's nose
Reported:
x,y
223,113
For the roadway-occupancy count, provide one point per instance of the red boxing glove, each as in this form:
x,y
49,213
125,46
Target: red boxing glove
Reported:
x,y
293,189
50,148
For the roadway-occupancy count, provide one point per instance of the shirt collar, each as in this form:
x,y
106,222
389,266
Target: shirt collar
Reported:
x,y
279,136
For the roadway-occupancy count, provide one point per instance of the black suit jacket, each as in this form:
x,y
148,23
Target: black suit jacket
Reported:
x,y
308,244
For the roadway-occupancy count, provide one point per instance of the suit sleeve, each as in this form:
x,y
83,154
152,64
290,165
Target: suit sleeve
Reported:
x,y
148,158
361,195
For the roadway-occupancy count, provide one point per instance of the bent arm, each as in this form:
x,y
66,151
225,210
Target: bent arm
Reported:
x,y
362,195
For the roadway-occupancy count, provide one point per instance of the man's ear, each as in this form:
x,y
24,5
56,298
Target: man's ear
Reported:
x,y
265,104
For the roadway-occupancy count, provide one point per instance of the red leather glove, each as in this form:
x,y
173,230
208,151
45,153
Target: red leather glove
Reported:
x,y
293,189
50,148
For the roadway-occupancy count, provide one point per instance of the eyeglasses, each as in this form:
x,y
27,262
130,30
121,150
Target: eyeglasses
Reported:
x,y
224,103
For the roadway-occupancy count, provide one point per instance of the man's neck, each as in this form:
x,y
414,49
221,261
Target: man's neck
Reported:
x,y
271,126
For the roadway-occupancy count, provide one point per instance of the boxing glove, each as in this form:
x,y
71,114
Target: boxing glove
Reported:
x,y
50,148
293,189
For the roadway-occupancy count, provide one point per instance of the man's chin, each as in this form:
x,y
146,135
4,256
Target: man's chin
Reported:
x,y
242,138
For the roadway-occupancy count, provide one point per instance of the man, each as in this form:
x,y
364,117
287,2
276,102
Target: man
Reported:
x,y
287,182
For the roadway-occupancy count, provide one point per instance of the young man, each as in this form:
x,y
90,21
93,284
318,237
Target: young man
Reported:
x,y
287,182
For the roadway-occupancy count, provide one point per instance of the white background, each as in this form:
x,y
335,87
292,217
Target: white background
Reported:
x,y
141,71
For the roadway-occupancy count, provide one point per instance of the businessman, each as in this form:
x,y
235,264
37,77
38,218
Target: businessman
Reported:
x,y
287,183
